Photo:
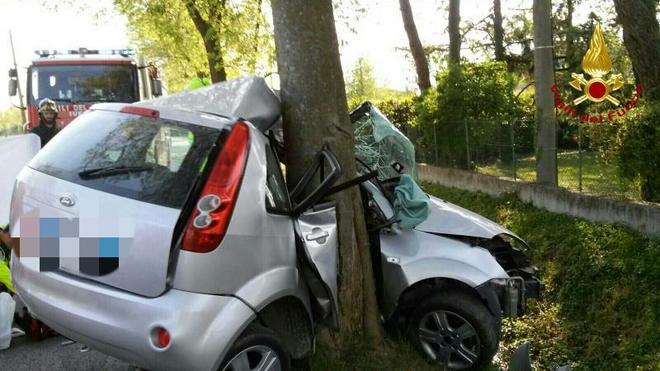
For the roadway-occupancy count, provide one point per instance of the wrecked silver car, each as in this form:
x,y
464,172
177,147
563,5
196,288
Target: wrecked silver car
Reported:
x,y
163,233
448,275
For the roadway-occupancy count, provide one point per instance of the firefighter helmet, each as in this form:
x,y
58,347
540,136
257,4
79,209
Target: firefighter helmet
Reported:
x,y
47,105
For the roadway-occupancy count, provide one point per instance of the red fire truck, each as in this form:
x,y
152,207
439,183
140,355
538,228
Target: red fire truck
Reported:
x,y
76,79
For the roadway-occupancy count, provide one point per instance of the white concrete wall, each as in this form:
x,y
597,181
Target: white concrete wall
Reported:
x,y
641,216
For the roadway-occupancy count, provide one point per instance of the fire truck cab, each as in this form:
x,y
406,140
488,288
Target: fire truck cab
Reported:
x,y
77,79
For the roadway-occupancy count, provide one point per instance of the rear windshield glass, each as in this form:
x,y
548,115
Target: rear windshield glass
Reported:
x,y
166,156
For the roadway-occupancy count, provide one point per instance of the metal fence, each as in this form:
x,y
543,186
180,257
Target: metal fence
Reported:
x,y
507,149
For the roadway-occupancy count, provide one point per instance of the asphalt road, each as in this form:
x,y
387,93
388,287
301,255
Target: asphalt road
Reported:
x,y
49,354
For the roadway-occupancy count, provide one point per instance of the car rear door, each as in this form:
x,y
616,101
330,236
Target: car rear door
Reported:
x,y
316,248
316,235
102,201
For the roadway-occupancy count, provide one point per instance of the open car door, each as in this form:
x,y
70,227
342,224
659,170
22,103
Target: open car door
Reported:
x,y
316,235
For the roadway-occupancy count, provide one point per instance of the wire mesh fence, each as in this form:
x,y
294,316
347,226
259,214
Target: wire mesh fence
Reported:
x,y
507,149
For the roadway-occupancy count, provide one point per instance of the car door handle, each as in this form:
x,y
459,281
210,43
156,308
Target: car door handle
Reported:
x,y
318,235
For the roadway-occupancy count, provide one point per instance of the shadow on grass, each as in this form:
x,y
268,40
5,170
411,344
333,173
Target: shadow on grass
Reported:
x,y
396,354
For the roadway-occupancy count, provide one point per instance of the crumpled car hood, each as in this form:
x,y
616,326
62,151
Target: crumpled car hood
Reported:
x,y
450,219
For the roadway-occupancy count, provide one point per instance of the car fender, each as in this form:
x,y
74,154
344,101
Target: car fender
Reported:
x,y
272,285
411,256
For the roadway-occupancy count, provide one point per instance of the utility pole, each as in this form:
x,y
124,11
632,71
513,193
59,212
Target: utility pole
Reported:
x,y
546,122
18,82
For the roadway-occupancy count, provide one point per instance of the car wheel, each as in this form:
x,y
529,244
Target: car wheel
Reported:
x,y
455,330
258,348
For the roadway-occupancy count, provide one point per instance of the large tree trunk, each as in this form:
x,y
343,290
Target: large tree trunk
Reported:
x,y
498,31
546,144
641,36
416,48
210,38
315,112
454,31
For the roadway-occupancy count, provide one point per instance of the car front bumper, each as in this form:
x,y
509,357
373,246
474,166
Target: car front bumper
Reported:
x,y
510,295
201,327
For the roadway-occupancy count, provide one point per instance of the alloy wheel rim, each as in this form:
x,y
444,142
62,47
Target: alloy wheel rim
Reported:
x,y
449,338
255,358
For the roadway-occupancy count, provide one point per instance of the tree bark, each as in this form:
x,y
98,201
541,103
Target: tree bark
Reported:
x,y
570,39
257,30
454,31
315,112
416,48
211,42
546,144
641,36
498,32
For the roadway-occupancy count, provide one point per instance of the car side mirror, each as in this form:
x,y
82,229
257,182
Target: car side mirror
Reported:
x,y
156,87
12,87
303,201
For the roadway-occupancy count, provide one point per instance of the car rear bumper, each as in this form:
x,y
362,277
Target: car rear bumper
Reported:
x,y
202,327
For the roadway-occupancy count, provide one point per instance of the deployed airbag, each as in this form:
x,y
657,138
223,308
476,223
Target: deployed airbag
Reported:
x,y
411,204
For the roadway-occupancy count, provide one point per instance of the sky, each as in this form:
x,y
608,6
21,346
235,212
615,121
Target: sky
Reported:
x,y
377,34
34,27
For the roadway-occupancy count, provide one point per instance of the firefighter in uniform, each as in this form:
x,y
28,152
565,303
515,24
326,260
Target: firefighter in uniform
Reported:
x,y
47,127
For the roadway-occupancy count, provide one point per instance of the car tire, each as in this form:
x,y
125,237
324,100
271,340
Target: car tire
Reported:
x,y
254,348
454,329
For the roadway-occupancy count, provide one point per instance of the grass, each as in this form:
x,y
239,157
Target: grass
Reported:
x,y
600,311
396,354
597,176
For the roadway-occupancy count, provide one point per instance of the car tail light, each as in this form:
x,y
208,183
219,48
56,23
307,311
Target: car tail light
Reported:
x,y
147,112
161,337
208,222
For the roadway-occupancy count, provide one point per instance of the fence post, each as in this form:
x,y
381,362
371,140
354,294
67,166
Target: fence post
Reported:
x,y
513,147
467,144
435,140
579,157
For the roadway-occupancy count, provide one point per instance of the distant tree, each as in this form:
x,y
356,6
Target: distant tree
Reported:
x,y
508,39
199,38
479,98
361,84
641,36
210,28
570,39
498,31
639,152
10,121
455,37
416,48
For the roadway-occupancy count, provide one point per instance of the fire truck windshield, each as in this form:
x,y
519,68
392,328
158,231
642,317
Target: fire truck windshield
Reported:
x,y
84,83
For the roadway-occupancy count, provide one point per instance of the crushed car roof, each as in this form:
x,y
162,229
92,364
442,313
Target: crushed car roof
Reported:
x,y
248,98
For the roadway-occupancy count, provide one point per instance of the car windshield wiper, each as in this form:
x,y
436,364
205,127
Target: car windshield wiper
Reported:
x,y
101,172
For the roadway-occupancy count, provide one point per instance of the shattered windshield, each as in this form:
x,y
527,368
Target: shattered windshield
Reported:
x,y
379,144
